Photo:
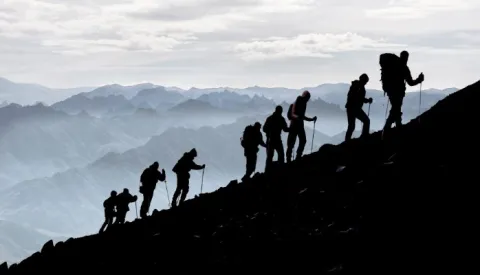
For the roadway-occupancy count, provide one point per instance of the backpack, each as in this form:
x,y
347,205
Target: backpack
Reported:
x,y
289,112
390,66
144,176
177,166
247,136
266,125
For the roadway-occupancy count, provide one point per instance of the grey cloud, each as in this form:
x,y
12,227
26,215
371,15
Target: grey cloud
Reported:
x,y
195,11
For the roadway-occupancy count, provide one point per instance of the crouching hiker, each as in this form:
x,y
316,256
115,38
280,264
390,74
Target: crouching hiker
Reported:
x,y
182,169
123,200
109,205
149,179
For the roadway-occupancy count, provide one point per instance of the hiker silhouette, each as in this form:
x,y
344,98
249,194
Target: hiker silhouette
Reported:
x,y
182,169
123,199
273,127
355,100
109,205
296,115
395,72
252,138
148,180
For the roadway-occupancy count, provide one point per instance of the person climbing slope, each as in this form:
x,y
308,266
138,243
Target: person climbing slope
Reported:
x,y
273,127
182,169
395,72
252,138
122,202
149,179
355,100
109,206
296,115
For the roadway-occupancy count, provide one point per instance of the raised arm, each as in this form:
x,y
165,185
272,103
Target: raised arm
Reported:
x,y
162,176
285,126
409,79
195,166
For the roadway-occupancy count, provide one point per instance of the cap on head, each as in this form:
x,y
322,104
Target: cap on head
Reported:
x,y
279,109
193,152
306,94
113,193
257,125
404,55
364,78
125,190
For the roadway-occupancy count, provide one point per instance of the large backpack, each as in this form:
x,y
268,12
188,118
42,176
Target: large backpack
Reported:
x,y
144,176
247,137
289,112
390,66
179,165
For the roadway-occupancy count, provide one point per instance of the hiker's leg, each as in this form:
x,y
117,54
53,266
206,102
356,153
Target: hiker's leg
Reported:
x,y
398,120
110,222
185,190
104,225
391,114
270,152
251,162
121,217
351,124
302,140
147,200
365,120
143,207
280,153
178,190
292,136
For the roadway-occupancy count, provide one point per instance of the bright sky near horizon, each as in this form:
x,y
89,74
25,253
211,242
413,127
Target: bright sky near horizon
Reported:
x,y
236,43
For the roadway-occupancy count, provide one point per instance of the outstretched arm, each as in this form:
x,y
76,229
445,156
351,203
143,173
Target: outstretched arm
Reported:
x,y
196,166
162,176
261,142
285,126
409,79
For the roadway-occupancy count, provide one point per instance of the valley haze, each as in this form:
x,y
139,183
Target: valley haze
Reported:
x,y
63,151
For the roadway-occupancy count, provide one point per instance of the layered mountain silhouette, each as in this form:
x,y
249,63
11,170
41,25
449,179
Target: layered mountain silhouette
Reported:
x,y
157,98
400,202
26,93
116,89
71,200
98,106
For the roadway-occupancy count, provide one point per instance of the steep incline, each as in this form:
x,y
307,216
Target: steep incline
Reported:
x,y
404,204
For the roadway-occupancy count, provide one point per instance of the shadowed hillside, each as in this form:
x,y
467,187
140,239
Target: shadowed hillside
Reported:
x,y
403,205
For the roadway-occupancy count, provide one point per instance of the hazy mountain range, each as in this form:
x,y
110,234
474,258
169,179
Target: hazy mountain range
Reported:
x,y
61,158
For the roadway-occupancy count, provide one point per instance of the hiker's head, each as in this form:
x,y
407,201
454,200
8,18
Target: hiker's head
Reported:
x,y
125,190
364,79
306,95
279,110
257,125
113,193
193,153
404,56
155,165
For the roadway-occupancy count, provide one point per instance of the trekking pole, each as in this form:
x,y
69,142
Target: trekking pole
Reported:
x,y
386,110
369,109
168,194
136,209
313,136
420,101
201,186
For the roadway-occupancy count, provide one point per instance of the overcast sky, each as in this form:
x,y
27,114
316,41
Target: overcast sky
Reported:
x,y
237,43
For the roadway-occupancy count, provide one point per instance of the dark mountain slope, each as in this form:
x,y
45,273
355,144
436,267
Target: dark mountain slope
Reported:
x,y
403,205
